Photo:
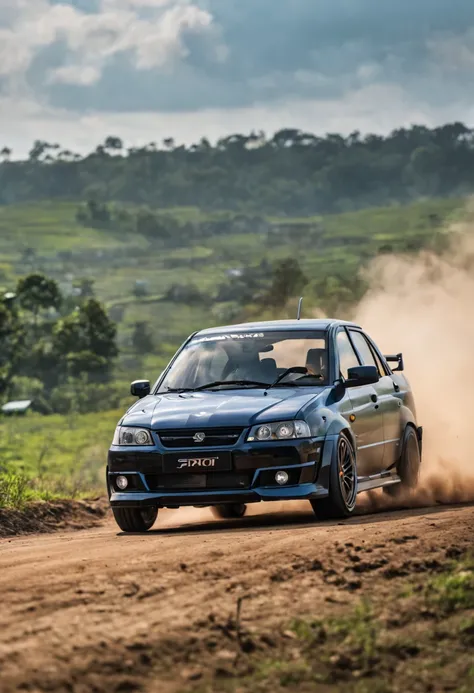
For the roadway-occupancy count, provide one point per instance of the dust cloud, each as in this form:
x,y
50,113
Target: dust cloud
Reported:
x,y
424,307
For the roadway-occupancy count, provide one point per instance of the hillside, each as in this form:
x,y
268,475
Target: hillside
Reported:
x,y
330,250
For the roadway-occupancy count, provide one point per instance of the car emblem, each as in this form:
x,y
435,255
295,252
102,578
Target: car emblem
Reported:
x,y
199,437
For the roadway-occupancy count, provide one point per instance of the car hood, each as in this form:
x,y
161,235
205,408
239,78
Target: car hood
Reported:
x,y
219,409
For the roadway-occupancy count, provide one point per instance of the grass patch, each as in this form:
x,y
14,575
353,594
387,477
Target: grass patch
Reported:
x,y
43,458
452,592
14,491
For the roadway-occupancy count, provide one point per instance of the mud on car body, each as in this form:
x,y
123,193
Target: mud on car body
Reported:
x,y
285,410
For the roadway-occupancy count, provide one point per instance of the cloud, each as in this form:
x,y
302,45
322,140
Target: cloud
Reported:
x,y
92,40
83,57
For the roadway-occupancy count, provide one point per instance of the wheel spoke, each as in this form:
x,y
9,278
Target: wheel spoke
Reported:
x,y
347,473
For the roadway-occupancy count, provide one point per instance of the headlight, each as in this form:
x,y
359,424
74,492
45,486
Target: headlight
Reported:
x,y
283,430
132,436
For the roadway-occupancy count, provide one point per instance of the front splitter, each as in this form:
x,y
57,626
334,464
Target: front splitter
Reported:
x,y
138,499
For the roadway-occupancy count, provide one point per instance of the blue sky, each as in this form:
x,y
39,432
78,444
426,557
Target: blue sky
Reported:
x,y
77,70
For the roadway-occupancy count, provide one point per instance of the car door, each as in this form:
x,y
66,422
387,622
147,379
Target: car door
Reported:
x,y
393,425
363,413
387,400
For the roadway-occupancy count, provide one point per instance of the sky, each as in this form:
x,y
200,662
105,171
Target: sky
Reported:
x,y
76,71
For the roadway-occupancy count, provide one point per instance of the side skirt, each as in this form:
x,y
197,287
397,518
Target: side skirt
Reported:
x,y
366,483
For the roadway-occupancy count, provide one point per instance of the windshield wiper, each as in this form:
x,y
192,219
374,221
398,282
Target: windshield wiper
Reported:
x,y
249,383
217,383
177,390
293,369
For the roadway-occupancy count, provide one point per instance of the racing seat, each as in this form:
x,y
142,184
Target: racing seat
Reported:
x,y
269,370
247,366
317,362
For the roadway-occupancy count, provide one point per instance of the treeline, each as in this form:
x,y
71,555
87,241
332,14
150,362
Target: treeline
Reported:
x,y
158,225
293,172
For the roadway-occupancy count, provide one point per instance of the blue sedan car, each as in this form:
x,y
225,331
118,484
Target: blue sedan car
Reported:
x,y
268,411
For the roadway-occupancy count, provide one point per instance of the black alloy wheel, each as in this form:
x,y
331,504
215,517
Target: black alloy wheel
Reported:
x,y
342,497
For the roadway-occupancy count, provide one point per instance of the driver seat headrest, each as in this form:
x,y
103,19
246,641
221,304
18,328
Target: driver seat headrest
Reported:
x,y
317,360
269,369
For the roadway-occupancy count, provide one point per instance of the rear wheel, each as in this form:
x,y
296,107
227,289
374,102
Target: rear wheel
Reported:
x,y
135,519
342,497
408,467
229,511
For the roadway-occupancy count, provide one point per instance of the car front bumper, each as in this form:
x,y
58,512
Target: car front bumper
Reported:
x,y
251,479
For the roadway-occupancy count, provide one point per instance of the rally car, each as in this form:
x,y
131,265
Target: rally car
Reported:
x,y
268,411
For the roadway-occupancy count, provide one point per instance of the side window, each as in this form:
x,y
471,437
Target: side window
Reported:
x,y
347,356
382,369
364,350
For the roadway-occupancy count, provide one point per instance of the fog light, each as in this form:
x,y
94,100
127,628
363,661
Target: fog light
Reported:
x,y
122,482
281,478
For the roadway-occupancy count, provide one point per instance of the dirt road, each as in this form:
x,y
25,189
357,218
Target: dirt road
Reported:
x,y
100,611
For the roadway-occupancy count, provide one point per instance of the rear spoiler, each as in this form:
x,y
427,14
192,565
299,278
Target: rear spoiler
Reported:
x,y
398,358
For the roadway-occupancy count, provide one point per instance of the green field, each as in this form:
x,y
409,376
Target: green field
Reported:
x,y
328,246
45,457
64,455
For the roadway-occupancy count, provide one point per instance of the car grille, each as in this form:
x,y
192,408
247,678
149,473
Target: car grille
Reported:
x,y
217,481
214,437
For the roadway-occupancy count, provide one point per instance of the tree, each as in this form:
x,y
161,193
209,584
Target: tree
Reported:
x,y
424,167
12,339
287,280
6,153
53,352
37,292
142,339
41,150
88,330
113,144
169,143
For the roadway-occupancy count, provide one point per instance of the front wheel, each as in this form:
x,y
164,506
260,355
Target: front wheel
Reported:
x,y
342,497
135,519
229,511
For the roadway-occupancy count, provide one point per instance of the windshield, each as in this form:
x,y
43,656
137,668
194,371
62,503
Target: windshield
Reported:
x,y
256,358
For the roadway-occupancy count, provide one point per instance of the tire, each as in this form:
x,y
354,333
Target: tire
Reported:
x,y
408,466
342,497
135,519
229,511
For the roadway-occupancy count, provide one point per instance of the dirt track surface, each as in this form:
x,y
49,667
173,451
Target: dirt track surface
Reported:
x,y
99,611
52,516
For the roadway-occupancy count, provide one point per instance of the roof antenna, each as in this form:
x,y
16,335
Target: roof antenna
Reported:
x,y
300,302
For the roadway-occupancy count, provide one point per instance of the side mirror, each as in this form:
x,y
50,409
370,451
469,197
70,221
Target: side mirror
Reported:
x,y
362,375
140,388
398,359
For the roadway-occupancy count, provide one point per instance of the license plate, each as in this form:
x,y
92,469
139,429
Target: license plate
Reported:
x,y
198,462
